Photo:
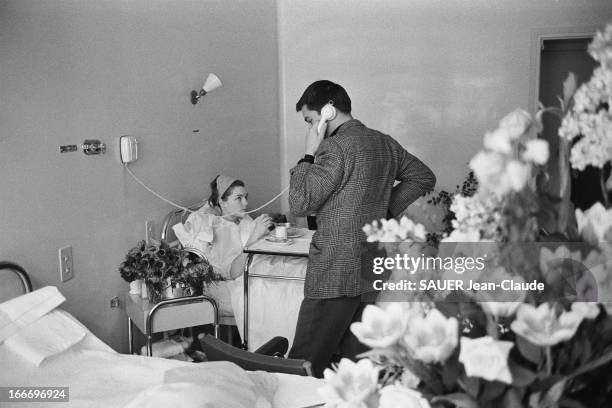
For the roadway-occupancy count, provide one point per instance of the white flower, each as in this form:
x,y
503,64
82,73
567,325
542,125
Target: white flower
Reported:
x,y
409,379
594,223
518,174
536,151
432,338
476,218
498,141
516,123
396,396
352,385
542,327
462,236
588,310
486,358
490,170
380,328
500,309
601,46
393,231
550,261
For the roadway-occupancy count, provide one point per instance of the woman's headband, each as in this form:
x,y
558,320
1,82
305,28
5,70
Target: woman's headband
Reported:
x,y
223,183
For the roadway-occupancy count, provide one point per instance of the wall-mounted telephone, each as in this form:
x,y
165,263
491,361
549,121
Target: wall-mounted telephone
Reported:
x,y
328,112
128,146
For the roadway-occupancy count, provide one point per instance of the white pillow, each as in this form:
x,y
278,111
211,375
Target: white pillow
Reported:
x,y
25,309
52,334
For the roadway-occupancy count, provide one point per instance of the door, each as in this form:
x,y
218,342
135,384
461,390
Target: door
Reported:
x,y
558,57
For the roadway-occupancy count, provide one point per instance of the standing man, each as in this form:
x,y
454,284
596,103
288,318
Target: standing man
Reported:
x,y
347,178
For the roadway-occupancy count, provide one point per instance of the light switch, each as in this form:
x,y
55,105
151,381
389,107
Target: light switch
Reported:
x,y
65,263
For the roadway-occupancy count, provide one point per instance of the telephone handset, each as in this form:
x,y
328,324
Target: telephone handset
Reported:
x,y
328,112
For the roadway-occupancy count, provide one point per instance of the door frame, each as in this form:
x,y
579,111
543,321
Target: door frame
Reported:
x,y
538,36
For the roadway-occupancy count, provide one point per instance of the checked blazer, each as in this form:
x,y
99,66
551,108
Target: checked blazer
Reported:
x,y
350,184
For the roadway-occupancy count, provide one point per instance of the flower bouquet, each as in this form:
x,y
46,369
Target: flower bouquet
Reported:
x,y
545,340
166,269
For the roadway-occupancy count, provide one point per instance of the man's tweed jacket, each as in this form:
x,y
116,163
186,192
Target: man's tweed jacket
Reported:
x,y
349,185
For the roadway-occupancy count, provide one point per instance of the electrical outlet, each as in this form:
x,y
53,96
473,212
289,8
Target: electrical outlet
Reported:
x,y
149,232
66,264
114,302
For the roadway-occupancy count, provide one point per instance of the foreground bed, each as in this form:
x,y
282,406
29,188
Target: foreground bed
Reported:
x,y
97,376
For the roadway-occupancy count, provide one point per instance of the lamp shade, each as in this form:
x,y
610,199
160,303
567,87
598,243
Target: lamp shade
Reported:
x,y
212,82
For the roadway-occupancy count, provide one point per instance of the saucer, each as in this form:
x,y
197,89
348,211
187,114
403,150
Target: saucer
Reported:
x,y
272,238
294,232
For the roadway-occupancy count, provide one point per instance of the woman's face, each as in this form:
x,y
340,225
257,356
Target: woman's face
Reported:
x,y
235,202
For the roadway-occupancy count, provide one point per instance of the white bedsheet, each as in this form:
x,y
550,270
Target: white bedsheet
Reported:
x,y
97,376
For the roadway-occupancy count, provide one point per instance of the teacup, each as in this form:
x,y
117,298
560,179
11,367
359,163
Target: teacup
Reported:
x,y
280,230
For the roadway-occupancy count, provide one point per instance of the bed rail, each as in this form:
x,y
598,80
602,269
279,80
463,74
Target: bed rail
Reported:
x,y
8,284
172,218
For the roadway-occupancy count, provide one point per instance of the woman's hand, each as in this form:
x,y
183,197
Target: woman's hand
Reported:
x,y
262,225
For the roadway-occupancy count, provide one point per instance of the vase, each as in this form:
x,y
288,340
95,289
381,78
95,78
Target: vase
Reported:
x,y
136,287
171,292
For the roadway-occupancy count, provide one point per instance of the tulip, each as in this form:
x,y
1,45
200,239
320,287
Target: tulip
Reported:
x,y
486,358
588,310
351,385
381,328
394,396
594,223
542,327
432,338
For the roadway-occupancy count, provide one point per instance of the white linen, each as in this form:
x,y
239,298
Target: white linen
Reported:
x,y
98,377
250,389
191,395
23,310
53,333
273,304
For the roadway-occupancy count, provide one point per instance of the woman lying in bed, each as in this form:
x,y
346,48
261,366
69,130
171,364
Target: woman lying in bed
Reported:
x,y
221,229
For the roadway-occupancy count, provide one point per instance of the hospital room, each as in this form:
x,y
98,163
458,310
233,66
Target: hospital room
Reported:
x,y
143,141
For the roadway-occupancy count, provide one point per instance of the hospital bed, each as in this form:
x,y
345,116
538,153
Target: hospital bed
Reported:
x,y
274,291
97,376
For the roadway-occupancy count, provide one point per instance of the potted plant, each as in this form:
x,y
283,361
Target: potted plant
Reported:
x,y
168,272
132,268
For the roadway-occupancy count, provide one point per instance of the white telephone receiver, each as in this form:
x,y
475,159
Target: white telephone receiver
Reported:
x,y
328,112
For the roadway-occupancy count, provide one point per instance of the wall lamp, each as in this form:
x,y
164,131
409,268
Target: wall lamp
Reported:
x,y
212,82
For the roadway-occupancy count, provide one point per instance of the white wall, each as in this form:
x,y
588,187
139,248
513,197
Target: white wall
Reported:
x,y
72,70
434,74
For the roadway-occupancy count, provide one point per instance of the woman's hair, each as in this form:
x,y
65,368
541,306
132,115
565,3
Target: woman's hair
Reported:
x,y
213,200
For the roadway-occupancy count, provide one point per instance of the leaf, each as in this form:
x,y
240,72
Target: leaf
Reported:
x,y
569,88
460,400
553,395
534,400
530,351
521,376
471,385
492,390
570,403
511,399
450,373
593,364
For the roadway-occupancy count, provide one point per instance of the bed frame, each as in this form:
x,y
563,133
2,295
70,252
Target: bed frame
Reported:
x,y
14,281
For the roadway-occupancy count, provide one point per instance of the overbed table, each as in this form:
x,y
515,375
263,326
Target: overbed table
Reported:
x,y
299,248
167,315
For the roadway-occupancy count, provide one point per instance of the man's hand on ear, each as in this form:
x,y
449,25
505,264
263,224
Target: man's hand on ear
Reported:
x,y
313,138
